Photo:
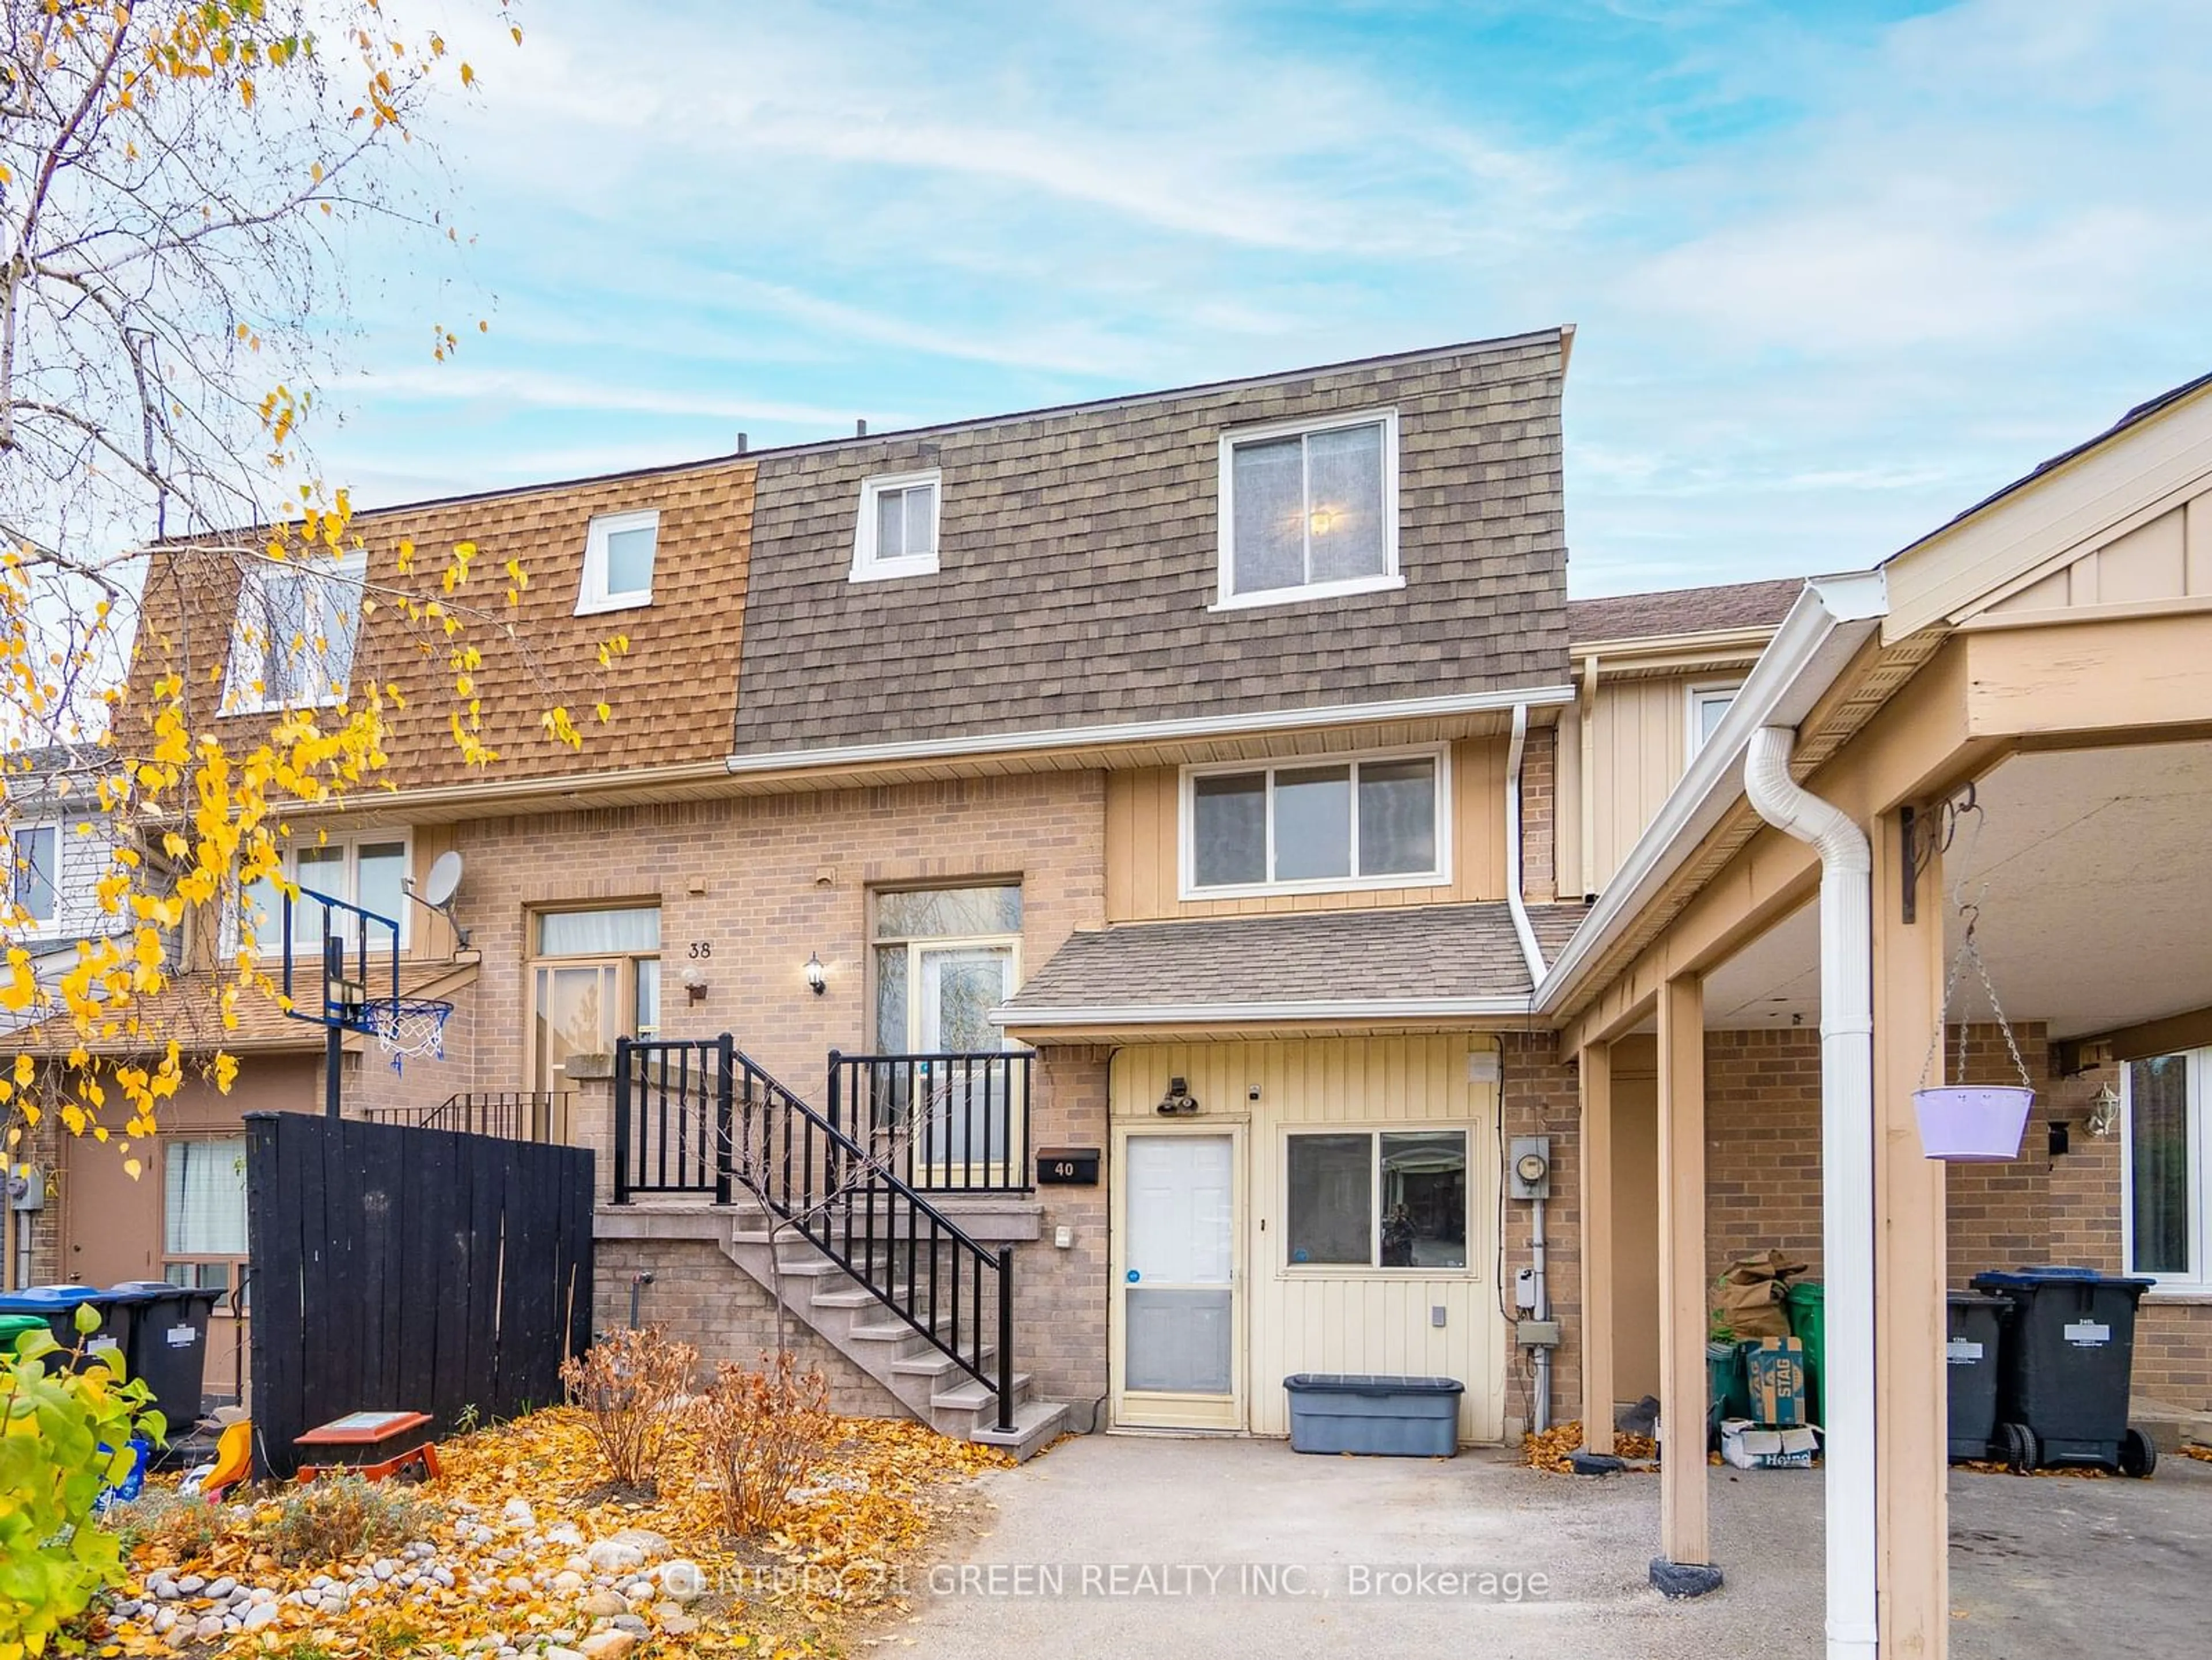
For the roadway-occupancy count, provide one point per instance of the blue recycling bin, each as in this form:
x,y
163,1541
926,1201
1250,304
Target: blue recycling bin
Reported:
x,y
57,1306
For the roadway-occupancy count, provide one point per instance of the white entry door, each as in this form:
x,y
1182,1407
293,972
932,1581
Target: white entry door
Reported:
x,y
1181,1361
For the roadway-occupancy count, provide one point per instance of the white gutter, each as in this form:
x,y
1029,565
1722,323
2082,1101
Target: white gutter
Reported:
x,y
1514,902
1847,1209
1824,631
1161,1014
1151,731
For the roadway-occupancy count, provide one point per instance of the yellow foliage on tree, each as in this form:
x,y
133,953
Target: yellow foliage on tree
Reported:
x,y
173,181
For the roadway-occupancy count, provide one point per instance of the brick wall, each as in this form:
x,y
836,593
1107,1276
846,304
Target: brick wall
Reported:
x,y
1540,773
706,1300
1763,1170
1542,1097
760,882
1060,1296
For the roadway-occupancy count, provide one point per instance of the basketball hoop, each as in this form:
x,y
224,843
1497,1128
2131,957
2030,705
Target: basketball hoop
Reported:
x,y
409,1026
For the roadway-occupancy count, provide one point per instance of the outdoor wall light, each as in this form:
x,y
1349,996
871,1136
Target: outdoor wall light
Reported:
x,y
816,975
1178,1101
2104,1112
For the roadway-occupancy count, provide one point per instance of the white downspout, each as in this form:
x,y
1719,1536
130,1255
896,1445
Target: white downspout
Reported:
x,y
1514,902
1847,1396
1519,908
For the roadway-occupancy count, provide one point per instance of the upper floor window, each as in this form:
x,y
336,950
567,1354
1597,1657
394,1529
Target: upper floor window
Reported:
x,y
2165,1178
369,870
292,644
35,853
1309,509
1377,822
896,535
1707,705
618,550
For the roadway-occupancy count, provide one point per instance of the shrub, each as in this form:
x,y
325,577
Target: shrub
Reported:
x,y
181,1527
629,1382
335,1516
761,1433
53,1428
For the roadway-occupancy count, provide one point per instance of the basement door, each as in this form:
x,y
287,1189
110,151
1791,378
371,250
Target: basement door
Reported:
x,y
1177,1320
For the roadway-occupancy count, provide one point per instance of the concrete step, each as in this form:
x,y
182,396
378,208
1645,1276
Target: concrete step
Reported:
x,y
935,1363
969,1395
1037,1425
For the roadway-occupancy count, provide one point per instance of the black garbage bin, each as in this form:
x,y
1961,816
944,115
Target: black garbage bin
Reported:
x,y
2067,1354
1975,1337
168,1345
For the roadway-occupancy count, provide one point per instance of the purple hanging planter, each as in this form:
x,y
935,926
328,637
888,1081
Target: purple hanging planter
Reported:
x,y
1972,1125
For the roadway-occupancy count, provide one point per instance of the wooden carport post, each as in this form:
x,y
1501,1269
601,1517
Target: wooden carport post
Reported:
x,y
1912,1521
1595,1149
1684,1567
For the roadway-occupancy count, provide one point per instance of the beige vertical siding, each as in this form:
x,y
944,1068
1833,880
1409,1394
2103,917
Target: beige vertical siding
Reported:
x,y
1640,737
1144,846
2165,558
1345,1320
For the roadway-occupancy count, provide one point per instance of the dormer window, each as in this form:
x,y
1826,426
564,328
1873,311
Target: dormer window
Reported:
x,y
896,535
292,644
618,550
1309,510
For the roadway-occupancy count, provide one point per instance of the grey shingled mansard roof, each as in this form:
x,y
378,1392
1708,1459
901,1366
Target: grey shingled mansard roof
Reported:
x,y
1684,611
1418,953
1079,557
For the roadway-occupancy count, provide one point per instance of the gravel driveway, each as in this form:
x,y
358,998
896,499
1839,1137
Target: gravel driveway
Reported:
x,y
1112,1546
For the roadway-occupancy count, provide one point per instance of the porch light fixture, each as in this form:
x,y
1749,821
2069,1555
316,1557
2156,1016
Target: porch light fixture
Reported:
x,y
1178,1102
816,976
2104,1112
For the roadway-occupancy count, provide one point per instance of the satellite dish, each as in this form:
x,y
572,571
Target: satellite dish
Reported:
x,y
443,881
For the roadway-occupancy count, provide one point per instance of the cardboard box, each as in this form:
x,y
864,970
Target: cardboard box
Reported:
x,y
1774,1374
1749,1447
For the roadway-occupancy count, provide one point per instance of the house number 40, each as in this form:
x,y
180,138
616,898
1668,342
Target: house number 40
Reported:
x,y
702,948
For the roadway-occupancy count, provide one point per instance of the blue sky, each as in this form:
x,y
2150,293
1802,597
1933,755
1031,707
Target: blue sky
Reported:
x,y
1838,270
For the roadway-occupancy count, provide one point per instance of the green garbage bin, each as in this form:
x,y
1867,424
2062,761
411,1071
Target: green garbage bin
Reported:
x,y
1724,1378
13,1326
1806,1304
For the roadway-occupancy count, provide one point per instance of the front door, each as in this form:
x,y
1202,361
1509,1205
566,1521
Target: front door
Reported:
x,y
1176,1287
963,1133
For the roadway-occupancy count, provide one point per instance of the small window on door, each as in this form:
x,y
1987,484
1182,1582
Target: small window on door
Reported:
x,y
944,958
203,1211
595,977
1386,1198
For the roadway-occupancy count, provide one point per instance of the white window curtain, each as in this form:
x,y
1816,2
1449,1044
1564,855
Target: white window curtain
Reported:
x,y
205,1180
598,932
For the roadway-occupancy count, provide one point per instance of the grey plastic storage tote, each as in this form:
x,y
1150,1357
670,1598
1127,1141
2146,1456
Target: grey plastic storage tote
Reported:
x,y
1389,1417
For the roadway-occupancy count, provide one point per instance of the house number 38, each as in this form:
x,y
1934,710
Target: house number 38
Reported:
x,y
702,948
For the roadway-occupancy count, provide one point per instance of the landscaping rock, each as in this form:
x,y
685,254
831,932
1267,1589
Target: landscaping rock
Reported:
x,y
608,1645
631,1623
683,1580
192,1585
677,1623
209,1628
518,1514
221,1588
260,1615
518,1584
603,1605
564,1533
568,1581
615,1555
556,1652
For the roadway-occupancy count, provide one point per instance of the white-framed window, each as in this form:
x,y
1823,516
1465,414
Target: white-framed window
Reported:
x,y
619,552
896,534
594,976
1392,1197
203,1210
1316,825
368,869
1707,705
292,644
2166,1179
34,873
1309,509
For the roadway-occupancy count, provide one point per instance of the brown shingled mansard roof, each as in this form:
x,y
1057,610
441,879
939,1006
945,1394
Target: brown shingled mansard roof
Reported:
x,y
1683,611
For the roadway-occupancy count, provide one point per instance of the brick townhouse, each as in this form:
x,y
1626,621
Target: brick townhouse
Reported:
x,y
1233,754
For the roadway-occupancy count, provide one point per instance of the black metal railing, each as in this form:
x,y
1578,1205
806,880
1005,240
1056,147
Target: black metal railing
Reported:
x,y
951,1123
508,1115
845,1197
673,1131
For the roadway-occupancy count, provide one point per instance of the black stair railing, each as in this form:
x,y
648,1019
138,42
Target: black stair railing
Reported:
x,y
956,1122
699,1116
508,1115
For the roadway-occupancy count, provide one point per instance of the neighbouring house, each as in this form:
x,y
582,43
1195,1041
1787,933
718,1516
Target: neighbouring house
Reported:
x,y
1198,829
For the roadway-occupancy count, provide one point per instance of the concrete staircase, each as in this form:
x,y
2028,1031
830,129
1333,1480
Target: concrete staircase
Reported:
x,y
853,1321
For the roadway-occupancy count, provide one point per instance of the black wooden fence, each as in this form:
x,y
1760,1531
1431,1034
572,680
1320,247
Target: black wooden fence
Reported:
x,y
397,1269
